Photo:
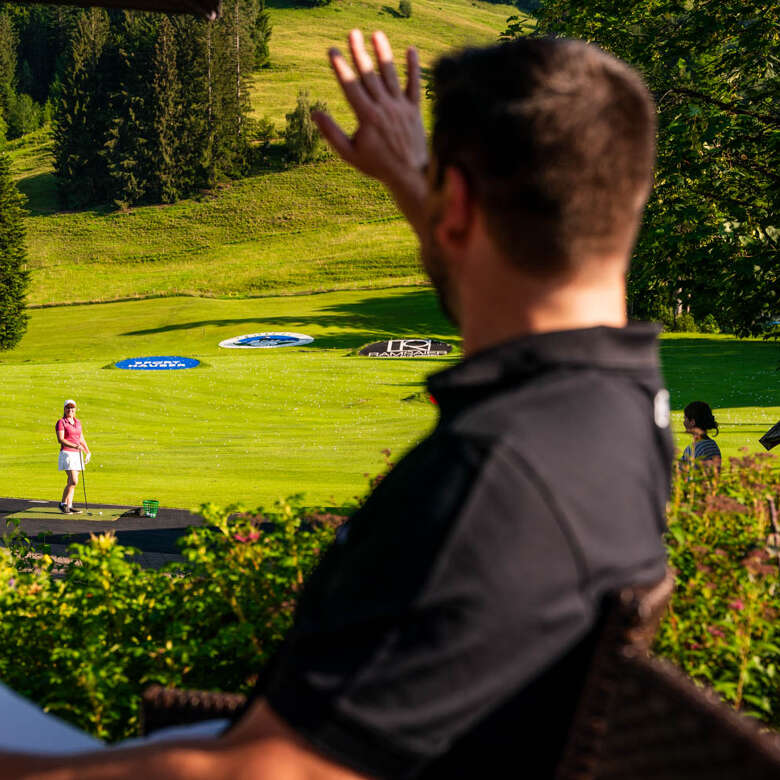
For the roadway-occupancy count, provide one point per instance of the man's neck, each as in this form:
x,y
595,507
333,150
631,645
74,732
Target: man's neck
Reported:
x,y
492,313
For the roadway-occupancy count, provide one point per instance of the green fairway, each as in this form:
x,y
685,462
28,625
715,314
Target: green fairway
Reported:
x,y
255,425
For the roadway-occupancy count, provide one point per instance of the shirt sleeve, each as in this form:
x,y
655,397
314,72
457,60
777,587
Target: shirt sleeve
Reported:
x,y
59,426
453,587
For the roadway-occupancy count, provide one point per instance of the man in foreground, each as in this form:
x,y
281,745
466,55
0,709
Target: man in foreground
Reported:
x,y
447,632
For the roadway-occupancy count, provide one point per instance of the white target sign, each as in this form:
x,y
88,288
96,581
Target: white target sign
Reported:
x,y
266,340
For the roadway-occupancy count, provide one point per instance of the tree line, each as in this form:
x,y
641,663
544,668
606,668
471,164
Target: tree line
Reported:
x,y
153,107
709,246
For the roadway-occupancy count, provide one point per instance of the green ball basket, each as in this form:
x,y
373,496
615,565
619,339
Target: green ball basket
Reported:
x,y
151,505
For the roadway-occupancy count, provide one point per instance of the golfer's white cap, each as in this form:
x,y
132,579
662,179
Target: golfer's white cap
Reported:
x,y
69,402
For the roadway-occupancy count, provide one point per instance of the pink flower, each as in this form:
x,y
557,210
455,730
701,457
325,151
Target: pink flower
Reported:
x,y
252,536
716,632
737,604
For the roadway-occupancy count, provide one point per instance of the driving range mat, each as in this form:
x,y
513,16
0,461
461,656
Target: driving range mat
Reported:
x,y
110,515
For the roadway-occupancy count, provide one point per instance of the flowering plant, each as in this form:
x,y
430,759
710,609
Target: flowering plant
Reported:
x,y
724,547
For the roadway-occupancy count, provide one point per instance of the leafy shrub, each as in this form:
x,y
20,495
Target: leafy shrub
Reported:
x,y
86,645
684,322
260,133
709,324
405,8
724,546
24,116
301,136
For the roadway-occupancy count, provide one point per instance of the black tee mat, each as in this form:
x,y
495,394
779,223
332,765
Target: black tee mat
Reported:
x,y
406,348
158,534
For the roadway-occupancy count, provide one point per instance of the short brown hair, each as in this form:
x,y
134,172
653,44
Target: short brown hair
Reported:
x,y
556,139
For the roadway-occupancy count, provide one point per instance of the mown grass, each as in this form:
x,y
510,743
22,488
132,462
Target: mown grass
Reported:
x,y
257,425
309,227
252,425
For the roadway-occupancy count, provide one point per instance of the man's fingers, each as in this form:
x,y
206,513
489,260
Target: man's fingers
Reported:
x,y
333,134
413,75
354,92
364,64
384,56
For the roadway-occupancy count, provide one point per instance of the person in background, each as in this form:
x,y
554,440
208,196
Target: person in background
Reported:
x,y
698,420
72,445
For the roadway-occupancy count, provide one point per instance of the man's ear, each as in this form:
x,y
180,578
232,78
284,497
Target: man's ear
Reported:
x,y
456,209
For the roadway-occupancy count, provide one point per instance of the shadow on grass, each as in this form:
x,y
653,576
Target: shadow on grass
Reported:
x,y
373,318
155,540
723,372
41,193
289,5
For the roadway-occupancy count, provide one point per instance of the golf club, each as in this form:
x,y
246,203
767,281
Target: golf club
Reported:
x,y
84,483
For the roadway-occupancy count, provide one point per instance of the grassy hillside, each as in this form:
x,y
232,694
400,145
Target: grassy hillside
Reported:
x,y
313,227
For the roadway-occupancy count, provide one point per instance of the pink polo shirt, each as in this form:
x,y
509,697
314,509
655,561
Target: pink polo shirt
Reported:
x,y
72,431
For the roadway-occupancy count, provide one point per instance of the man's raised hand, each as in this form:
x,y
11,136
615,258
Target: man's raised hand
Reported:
x,y
389,143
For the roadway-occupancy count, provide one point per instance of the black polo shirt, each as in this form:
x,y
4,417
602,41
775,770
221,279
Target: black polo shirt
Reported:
x,y
446,632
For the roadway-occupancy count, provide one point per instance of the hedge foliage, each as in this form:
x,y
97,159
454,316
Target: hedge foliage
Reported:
x,y
86,641
85,644
724,546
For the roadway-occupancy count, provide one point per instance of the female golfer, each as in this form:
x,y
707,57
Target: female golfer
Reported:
x,y
72,444
698,420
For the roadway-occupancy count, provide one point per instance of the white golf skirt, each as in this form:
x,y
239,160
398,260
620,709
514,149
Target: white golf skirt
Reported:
x,y
69,461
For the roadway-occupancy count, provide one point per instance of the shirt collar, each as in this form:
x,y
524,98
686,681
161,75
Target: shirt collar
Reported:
x,y
633,348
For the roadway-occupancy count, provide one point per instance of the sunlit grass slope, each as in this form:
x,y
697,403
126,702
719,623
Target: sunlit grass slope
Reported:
x,y
312,227
301,37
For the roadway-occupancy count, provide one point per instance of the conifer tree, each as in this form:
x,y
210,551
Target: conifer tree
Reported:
x,y
80,115
174,105
234,59
8,44
166,113
261,34
14,276
126,148
194,49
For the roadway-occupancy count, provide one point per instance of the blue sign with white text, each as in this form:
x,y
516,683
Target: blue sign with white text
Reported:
x,y
158,363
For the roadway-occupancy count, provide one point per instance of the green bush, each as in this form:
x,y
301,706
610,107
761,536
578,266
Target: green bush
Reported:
x,y
709,324
86,645
405,8
684,322
301,136
24,116
724,547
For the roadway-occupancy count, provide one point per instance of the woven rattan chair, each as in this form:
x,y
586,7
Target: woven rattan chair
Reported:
x,y
638,718
630,622
162,707
641,719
